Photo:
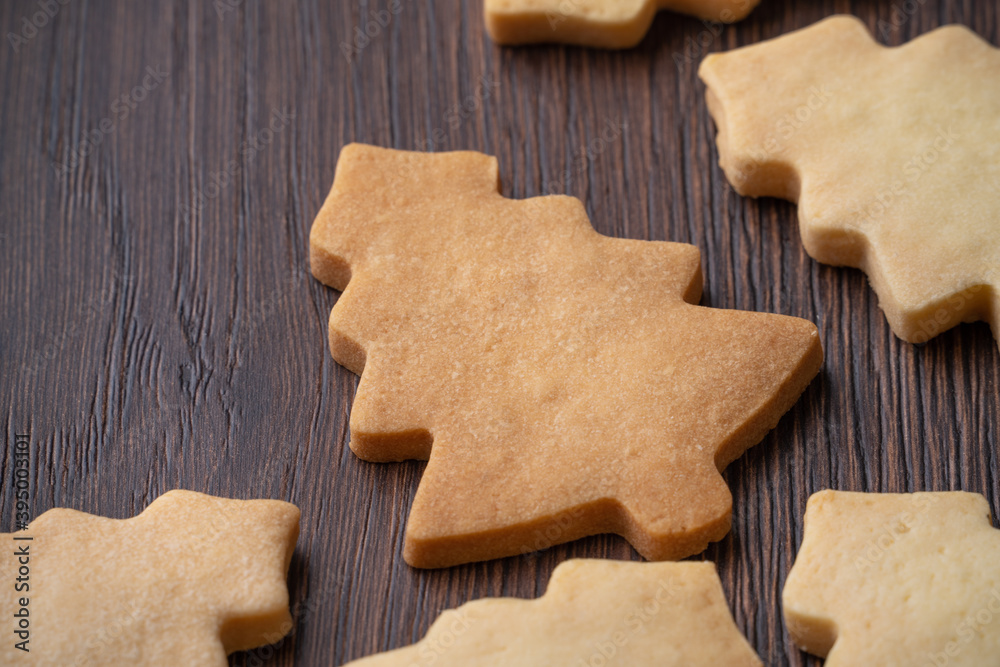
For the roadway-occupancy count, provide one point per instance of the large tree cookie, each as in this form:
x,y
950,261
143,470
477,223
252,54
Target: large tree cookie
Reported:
x,y
190,580
897,579
609,24
595,612
566,380
893,155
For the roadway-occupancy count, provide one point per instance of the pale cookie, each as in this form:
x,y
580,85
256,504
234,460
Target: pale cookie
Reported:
x,y
897,580
568,383
190,580
609,24
595,612
893,155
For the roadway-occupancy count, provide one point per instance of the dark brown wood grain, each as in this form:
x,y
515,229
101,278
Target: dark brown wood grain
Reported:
x,y
160,328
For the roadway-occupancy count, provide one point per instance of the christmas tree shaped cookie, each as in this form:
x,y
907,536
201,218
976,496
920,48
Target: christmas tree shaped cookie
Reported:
x,y
897,579
893,155
190,580
566,380
609,24
595,612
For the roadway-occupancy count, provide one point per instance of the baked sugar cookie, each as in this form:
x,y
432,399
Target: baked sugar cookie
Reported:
x,y
893,155
609,24
595,612
190,580
897,579
566,380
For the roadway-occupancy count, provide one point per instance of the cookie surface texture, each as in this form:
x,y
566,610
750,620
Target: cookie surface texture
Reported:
x,y
190,580
609,24
897,579
893,155
595,612
566,380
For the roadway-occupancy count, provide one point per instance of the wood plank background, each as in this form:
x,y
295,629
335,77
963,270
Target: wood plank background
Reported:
x,y
160,328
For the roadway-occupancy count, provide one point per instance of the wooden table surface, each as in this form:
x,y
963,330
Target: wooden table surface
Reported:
x,y
161,166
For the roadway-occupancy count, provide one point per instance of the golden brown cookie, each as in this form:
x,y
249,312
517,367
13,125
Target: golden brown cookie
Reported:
x,y
190,580
595,612
893,155
897,579
609,24
568,383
